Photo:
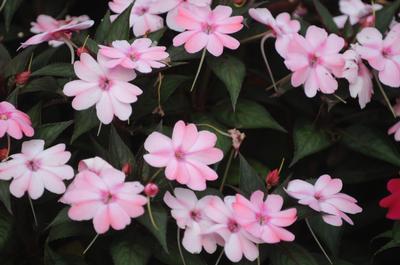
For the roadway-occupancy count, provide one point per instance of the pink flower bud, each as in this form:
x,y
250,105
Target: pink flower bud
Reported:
x,y
3,153
272,178
81,50
151,190
127,168
239,3
22,78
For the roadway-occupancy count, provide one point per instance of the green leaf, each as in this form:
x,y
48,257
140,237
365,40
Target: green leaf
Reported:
x,y
371,143
396,232
119,29
50,131
43,58
308,140
326,17
61,218
385,16
18,63
5,195
180,54
389,245
9,10
157,35
56,69
35,113
249,179
328,234
103,28
42,84
118,150
248,115
291,254
5,228
160,216
231,71
84,121
130,253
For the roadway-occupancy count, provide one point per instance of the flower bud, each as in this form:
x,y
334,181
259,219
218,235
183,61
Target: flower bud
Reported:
x,y
237,138
3,153
272,178
81,50
22,78
151,190
239,3
127,168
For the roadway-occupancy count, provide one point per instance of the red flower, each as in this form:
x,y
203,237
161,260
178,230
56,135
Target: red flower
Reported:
x,y
392,202
22,78
272,178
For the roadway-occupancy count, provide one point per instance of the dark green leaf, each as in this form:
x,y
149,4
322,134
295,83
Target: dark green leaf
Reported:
x,y
9,10
43,58
4,54
119,29
248,115
231,71
84,121
35,113
371,143
385,16
396,232
19,63
61,218
43,84
328,234
180,54
291,254
249,179
160,216
50,131
103,28
389,245
5,228
129,253
157,35
5,195
119,151
308,140
56,69
326,17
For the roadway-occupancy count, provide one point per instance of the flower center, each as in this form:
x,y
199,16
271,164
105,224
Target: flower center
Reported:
x,y
33,165
262,219
318,196
134,56
3,117
195,215
105,84
179,154
207,28
107,197
233,226
313,59
141,10
387,51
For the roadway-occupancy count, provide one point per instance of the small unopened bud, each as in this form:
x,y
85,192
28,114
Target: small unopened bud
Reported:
x,y
151,190
368,22
239,3
272,178
22,78
237,138
81,50
127,168
3,153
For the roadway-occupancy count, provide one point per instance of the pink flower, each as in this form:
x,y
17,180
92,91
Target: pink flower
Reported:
x,y
315,60
144,15
392,201
106,198
151,190
381,54
14,122
355,11
108,89
283,27
324,197
359,77
238,242
189,213
395,129
264,219
186,156
206,28
139,55
36,169
55,31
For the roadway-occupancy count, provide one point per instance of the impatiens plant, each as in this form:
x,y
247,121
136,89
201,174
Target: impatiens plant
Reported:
x,y
201,132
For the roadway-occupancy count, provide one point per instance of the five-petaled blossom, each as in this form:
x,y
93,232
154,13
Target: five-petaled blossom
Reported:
x,y
382,54
315,60
108,89
355,11
36,169
392,202
209,29
186,156
282,27
140,55
237,241
55,32
190,214
104,197
14,122
325,197
359,77
264,219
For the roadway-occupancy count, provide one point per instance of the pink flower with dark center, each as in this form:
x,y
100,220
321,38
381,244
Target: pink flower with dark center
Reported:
x,y
55,31
355,11
237,242
140,55
14,122
265,219
106,198
36,169
359,77
186,156
108,89
324,197
283,27
189,213
315,61
206,28
382,54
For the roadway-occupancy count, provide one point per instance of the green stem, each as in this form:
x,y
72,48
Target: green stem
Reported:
x,y
90,244
340,99
155,175
99,129
215,128
8,148
384,94
203,56
258,257
33,211
228,165
219,257
178,239
318,243
71,49
255,37
153,222
262,47
3,4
